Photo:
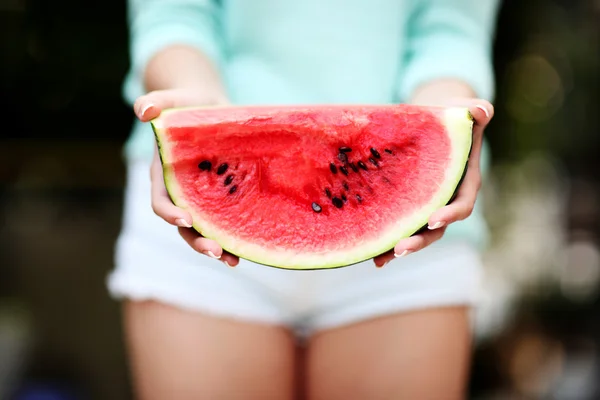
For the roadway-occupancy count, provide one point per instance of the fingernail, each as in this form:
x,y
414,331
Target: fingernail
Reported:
x,y
229,265
382,265
183,223
146,107
437,225
404,253
211,254
482,108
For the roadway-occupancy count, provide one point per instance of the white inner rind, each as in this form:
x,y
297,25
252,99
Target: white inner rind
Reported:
x,y
459,125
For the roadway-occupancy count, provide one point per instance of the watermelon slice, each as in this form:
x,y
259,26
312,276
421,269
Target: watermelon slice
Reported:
x,y
312,187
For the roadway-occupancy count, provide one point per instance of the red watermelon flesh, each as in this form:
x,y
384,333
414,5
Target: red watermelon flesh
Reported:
x,y
311,187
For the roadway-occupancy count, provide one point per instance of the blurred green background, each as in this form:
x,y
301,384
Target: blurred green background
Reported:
x,y
62,176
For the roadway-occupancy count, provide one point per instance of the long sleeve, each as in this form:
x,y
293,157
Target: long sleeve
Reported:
x,y
156,24
450,39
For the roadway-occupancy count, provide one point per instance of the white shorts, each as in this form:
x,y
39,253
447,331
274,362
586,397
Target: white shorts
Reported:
x,y
154,262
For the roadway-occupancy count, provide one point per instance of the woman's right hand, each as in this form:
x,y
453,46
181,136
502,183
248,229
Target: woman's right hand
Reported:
x,y
146,108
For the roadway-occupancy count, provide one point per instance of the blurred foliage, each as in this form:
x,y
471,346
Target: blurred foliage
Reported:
x,y
547,62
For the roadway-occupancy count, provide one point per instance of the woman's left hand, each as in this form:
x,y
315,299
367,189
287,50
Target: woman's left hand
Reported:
x,y
463,204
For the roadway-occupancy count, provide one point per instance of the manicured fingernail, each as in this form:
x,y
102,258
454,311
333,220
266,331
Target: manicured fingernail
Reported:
x,y
211,254
482,108
382,265
183,223
404,253
437,225
229,265
146,107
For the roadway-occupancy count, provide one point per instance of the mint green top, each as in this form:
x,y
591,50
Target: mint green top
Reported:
x,y
321,51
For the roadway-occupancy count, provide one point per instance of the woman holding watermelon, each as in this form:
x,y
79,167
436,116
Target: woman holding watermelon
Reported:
x,y
198,330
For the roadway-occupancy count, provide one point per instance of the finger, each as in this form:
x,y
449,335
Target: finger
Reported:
x,y
417,242
162,205
383,259
208,247
229,259
462,205
201,244
409,245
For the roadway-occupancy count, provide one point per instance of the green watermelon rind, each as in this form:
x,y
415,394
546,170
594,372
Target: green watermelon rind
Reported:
x,y
458,122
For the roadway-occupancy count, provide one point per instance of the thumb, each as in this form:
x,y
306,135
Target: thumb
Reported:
x,y
150,105
481,110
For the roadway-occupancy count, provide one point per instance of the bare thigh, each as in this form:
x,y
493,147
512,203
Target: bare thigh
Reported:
x,y
181,355
418,355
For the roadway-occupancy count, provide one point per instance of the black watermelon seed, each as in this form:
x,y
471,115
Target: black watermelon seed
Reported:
x,y
333,168
345,185
328,193
343,157
344,198
375,153
344,170
345,149
316,208
353,167
205,165
373,161
222,169
362,165
388,151
337,202
228,180
359,198
233,189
